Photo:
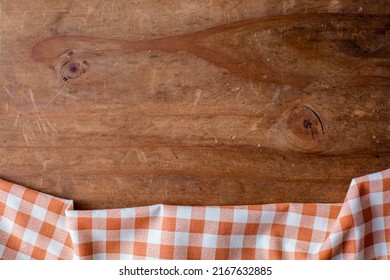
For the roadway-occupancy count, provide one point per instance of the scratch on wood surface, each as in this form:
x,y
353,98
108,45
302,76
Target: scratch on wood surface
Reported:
x,y
112,10
16,120
140,16
58,93
198,94
141,157
51,126
31,94
151,181
42,125
32,133
8,91
90,9
39,125
25,137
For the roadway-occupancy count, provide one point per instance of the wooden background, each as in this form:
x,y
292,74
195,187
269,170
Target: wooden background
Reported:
x,y
214,102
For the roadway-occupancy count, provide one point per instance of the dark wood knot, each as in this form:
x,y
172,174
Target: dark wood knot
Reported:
x,y
305,128
73,69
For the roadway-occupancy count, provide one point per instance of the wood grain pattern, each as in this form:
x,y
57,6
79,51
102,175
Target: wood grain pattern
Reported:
x,y
127,103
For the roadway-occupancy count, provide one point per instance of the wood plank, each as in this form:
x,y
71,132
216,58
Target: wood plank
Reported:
x,y
128,103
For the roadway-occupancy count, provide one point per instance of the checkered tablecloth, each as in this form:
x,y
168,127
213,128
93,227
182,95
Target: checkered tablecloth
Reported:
x,y
35,225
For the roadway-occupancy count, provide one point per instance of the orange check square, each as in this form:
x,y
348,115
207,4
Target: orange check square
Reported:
x,y
364,188
305,234
349,246
47,230
140,249
38,253
387,235
113,247
222,253
2,209
334,211
30,195
368,240
386,209
22,219
68,241
225,228
169,224
248,253
197,226
277,230
386,184
85,249
251,228
142,223
194,253
367,214
113,223
346,222
84,223
282,207
300,255
275,254
326,254
5,186
309,209
55,206
14,243
166,252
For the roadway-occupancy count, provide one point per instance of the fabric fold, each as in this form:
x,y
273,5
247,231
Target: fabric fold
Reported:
x,y
35,225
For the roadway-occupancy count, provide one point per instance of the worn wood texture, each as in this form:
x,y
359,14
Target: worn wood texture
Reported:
x,y
127,103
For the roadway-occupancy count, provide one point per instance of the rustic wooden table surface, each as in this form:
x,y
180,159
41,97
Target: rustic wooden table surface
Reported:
x,y
209,102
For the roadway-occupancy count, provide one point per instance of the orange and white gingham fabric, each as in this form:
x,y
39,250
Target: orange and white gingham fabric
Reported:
x,y
34,225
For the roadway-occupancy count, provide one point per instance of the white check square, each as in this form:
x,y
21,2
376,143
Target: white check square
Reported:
x,y
320,223
240,216
127,235
210,241
376,198
380,249
99,235
236,241
30,236
375,176
293,219
355,205
212,214
55,247
289,244
99,214
38,212
267,217
184,212
128,213
13,201
314,247
263,241
6,225
378,224
154,236
182,238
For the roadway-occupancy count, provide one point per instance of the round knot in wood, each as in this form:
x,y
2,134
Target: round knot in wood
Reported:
x,y
72,69
305,128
